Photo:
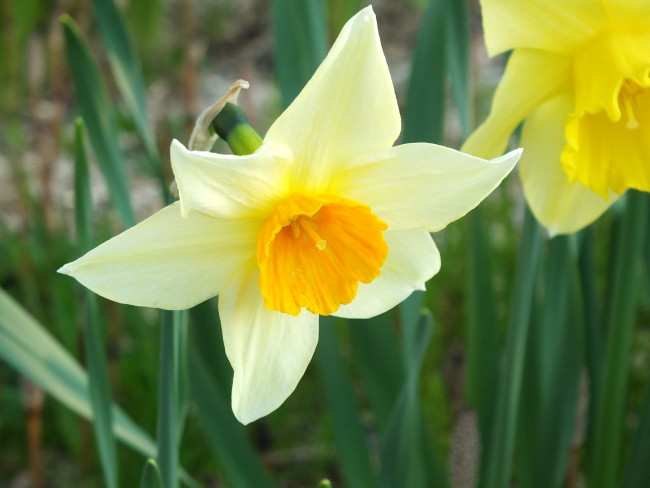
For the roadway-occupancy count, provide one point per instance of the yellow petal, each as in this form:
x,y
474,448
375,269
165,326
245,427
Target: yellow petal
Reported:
x,y
422,186
413,258
605,63
530,78
166,261
347,108
559,27
562,207
230,186
269,351
625,11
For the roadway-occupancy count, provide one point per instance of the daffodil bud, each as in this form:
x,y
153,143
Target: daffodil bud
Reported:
x,y
232,126
203,136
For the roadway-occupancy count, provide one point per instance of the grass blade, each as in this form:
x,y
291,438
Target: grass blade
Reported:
x,y
30,349
551,376
127,74
594,348
300,33
608,428
425,103
343,409
151,475
408,456
458,53
499,457
637,472
380,361
99,382
98,114
483,332
227,436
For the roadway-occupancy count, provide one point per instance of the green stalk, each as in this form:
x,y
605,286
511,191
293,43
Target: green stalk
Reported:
x,y
502,437
168,398
624,294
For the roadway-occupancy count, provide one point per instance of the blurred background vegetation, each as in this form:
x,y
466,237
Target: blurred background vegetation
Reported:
x,y
189,52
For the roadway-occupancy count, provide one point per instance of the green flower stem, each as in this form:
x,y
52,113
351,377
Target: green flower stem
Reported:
x,y
502,437
168,398
626,276
232,126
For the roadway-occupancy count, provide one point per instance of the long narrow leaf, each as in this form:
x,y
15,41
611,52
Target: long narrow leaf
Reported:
x,y
99,116
151,475
349,433
30,349
408,457
499,460
100,389
227,436
425,104
552,376
379,356
300,33
125,66
483,331
458,53
637,472
127,74
607,435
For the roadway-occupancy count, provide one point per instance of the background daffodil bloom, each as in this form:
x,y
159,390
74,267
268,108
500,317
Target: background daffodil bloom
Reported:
x,y
580,76
326,217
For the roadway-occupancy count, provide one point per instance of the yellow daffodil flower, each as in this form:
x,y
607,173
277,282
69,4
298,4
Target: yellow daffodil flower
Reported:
x,y
580,76
326,217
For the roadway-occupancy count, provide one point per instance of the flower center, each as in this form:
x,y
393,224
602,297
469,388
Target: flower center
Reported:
x,y
607,153
313,252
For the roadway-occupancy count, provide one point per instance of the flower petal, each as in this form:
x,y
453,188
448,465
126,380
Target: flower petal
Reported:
x,y
562,207
230,186
422,185
166,261
413,258
269,351
558,27
348,107
530,78
626,55
628,11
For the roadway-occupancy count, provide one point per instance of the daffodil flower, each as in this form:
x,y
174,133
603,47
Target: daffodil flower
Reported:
x,y
326,217
580,76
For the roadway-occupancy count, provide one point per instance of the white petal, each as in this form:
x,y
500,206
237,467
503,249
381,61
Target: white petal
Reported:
x,y
562,207
413,258
422,185
269,351
167,261
230,186
348,107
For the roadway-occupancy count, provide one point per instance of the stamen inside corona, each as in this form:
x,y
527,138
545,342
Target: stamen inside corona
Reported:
x,y
611,155
313,251
629,98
